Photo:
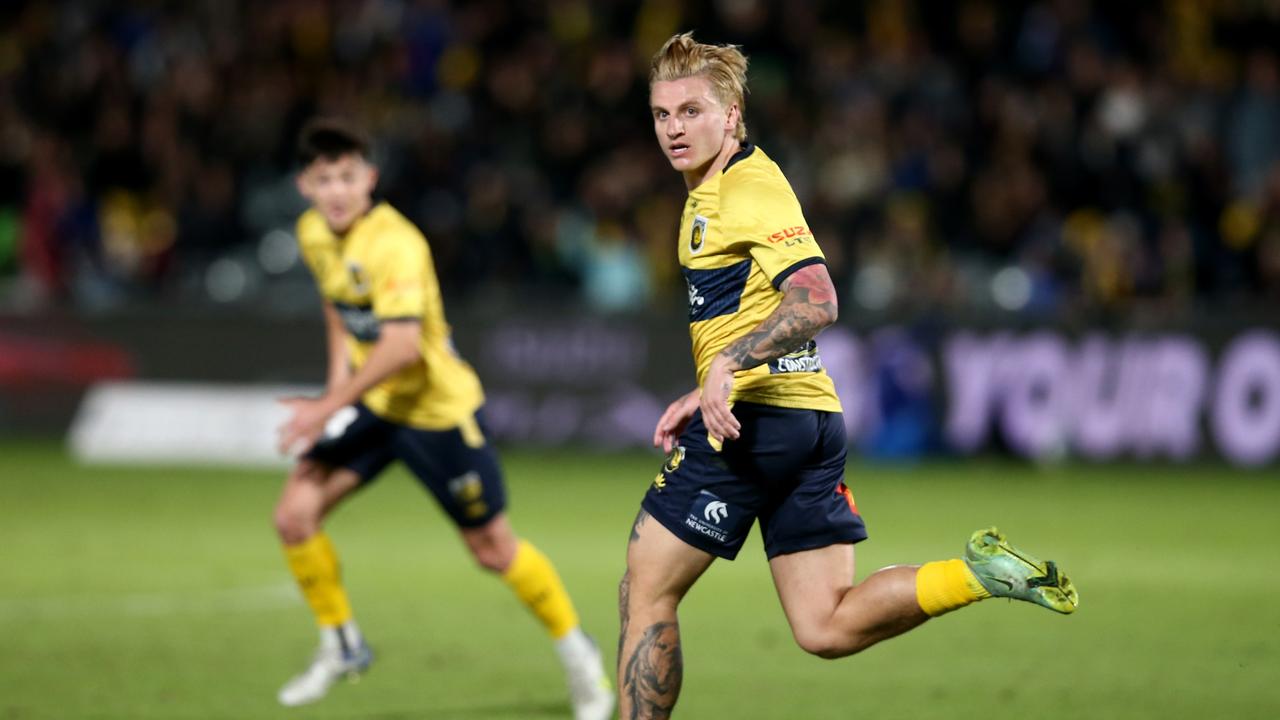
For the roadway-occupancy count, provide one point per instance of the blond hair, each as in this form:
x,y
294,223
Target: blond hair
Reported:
x,y
724,66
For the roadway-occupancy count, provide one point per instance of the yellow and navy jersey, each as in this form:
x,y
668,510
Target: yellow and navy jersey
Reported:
x,y
381,270
741,235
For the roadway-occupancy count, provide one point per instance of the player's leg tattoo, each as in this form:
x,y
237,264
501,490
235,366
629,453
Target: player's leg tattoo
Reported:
x,y
635,527
654,672
624,612
660,570
624,589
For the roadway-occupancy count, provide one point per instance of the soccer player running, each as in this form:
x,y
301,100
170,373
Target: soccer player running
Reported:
x,y
763,436
396,390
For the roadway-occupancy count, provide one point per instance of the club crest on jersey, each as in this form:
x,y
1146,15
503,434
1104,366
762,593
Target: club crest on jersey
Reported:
x,y
698,235
359,280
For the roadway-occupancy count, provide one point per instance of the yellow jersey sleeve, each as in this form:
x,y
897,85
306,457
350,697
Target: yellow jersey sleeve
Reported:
x,y
772,228
312,233
399,276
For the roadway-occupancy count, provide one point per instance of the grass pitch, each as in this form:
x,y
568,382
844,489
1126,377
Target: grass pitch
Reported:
x,y
162,593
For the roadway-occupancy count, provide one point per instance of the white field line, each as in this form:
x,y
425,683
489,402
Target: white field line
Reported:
x,y
187,602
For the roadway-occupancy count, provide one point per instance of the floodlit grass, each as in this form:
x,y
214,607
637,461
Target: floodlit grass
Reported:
x,y
162,593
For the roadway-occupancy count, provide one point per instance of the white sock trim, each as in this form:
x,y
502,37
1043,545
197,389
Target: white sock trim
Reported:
x,y
345,636
575,647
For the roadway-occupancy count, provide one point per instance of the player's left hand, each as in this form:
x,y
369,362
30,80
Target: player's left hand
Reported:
x,y
716,414
675,419
305,424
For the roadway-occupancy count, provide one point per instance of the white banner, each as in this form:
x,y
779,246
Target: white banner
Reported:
x,y
182,423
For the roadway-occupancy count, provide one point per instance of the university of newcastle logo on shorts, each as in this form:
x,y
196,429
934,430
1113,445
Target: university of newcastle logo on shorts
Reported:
x,y
716,519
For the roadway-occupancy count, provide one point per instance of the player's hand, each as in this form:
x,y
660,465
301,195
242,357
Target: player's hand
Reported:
x,y
305,425
715,401
674,420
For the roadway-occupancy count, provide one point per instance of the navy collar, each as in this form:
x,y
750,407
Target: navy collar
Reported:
x,y
747,147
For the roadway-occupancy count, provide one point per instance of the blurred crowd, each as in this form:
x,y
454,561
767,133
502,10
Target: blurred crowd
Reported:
x,y
1036,158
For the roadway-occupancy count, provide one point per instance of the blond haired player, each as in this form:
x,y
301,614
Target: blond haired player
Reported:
x,y
396,391
762,437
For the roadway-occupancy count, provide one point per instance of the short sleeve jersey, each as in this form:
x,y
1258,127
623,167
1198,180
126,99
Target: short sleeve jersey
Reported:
x,y
381,270
742,235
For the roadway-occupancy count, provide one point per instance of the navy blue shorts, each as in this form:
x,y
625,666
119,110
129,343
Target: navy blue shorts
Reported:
x,y
459,468
786,468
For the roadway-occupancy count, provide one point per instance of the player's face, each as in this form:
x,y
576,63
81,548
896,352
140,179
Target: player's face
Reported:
x,y
340,189
690,122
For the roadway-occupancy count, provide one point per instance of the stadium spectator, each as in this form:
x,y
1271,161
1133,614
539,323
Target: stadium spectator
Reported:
x,y
1100,154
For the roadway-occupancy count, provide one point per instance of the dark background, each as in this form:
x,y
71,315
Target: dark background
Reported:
x,y
1077,166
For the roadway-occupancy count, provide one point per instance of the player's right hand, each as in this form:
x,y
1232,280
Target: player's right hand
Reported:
x,y
717,413
307,418
674,420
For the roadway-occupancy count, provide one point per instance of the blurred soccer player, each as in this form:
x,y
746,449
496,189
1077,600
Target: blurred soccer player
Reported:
x,y
396,391
763,436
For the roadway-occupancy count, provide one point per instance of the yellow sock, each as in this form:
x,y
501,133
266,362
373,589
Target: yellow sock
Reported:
x,y
533,579
943,586
315,566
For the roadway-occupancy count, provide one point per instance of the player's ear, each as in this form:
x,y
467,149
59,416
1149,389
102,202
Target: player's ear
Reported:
x,y
300,181
731,119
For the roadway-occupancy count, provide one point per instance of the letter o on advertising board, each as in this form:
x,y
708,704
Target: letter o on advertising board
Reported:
x,y
1036,403
1246,406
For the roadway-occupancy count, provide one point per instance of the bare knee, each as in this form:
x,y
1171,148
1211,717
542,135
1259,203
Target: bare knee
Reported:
x,y
646,591
646,600
294,524
493,546
490,558
660,570
825,643
297,514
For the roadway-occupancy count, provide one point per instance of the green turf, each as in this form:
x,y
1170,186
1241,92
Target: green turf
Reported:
x,y
161,593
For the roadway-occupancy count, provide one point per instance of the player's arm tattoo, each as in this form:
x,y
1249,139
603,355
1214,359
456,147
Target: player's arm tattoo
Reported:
x,y
808,305
654,672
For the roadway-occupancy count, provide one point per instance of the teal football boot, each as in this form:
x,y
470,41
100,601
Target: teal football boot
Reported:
x,y
1006,571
